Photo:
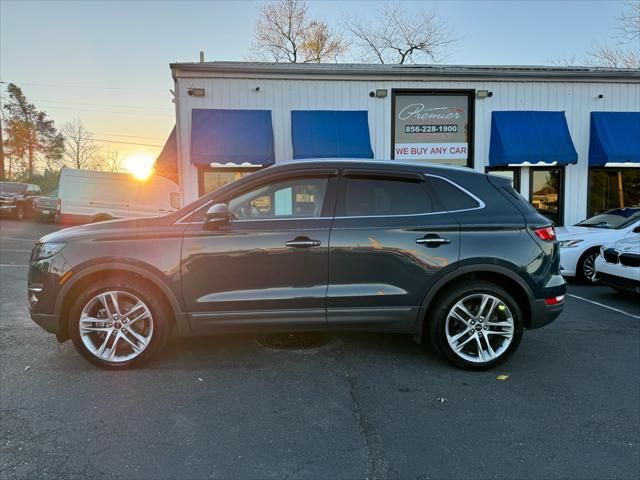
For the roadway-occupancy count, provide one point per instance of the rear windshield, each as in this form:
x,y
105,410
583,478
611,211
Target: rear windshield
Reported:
x,y
10,187
617,218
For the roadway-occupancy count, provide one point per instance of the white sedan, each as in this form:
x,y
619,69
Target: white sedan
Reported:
x,y
580,244
619,264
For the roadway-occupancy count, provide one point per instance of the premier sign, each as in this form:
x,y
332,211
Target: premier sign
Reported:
x,y
432,126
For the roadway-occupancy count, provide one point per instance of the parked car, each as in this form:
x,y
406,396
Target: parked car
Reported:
x,y
618,264
46,207
443,253
17,199
580,244
87,196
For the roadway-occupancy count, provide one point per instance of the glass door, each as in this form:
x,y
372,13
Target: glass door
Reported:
x,y
546,192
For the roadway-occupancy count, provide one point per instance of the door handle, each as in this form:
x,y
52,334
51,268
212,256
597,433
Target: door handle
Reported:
x,y
433,241
302,242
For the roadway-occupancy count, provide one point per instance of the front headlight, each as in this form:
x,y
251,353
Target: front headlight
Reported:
x,y
45,250
569,243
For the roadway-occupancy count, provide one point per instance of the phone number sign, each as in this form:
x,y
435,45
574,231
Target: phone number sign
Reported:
x,y
432,127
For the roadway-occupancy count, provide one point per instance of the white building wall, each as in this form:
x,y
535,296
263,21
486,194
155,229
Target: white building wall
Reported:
x,y
576,99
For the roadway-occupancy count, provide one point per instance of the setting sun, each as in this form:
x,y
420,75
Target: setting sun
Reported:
x,y
140,166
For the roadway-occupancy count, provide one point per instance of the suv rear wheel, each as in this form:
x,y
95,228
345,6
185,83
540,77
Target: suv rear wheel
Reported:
x,y
118,324
476,325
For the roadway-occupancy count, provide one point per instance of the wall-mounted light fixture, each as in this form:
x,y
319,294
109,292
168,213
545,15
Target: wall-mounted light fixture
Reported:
x,y
380,93
484,94
255,89
195,92
600,96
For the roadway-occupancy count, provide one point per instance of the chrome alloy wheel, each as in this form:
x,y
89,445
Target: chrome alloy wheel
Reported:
x,y
589,267
116,326
479,328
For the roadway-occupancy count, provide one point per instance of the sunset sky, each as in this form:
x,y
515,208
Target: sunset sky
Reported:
x,y
107,62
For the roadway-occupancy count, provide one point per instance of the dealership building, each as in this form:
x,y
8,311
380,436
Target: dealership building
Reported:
x,y
568,138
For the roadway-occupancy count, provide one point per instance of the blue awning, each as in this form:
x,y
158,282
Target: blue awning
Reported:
x,y
231,137
615,138
529,136
167,162
330,134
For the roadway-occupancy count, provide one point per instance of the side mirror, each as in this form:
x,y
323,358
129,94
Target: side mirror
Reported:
x,y
637,229
216,215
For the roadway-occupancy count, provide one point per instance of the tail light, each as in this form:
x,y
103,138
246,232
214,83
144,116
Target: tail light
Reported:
x,y
554,300
548,234
58,205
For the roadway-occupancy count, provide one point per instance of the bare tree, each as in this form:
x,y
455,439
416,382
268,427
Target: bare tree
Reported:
x,y
80,151
400,37
319,43
630,23
626,54
613,57
284,33
112,161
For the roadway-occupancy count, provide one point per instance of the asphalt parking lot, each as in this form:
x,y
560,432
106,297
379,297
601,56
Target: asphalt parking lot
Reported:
x,y
361,406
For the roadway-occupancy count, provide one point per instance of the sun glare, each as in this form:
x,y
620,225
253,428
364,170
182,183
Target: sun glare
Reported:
x,y
140,166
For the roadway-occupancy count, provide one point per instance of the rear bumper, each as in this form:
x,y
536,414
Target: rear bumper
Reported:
x,y
46,321
7,208
543,314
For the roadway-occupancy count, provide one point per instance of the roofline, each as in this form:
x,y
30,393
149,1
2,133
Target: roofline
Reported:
x,y
383,71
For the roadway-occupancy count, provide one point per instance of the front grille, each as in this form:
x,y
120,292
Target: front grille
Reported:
x,y
610,255
630,259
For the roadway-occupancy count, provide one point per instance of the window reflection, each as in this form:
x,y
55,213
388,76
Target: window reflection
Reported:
x,y
545,194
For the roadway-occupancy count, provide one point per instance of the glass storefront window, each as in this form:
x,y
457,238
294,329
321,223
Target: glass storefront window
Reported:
x,y
613,188
545,192
433,126
513,174
212,179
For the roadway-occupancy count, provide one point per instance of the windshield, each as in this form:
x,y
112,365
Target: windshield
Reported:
x,y
10,187
616,218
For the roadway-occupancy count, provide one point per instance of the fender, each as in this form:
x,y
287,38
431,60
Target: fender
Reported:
x,y
182,324
459,272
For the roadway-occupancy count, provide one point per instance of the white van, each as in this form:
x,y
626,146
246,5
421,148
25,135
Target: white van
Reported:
x,y
92,196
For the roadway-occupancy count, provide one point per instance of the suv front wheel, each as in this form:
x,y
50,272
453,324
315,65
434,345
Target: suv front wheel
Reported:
x,y
118,324
476,325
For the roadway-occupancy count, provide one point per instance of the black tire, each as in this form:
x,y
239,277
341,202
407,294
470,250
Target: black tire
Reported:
x,y
437,322
587,260
19,213
156,305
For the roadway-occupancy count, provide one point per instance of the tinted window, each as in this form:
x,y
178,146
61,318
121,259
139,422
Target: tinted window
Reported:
x,y
10,187
451,196
376,197
300,197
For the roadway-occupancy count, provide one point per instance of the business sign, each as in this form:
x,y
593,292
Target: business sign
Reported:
x,y
432,127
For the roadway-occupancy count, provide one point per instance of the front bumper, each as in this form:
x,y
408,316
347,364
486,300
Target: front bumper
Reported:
x,y
569,260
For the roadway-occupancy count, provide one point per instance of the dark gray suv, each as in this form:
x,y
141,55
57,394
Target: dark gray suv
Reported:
x,y
445,254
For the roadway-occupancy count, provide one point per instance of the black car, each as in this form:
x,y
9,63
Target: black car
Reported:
x,y
47,208
17,199
442,253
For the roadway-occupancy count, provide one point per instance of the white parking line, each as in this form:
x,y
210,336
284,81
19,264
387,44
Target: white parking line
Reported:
x,y
604,306
11,265
9,250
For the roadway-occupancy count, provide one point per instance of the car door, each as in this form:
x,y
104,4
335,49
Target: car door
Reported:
x,y
390,242
268,266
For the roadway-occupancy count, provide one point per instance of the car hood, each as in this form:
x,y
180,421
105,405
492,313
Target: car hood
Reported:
x,y
10,195
630,243
575,232
106,229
